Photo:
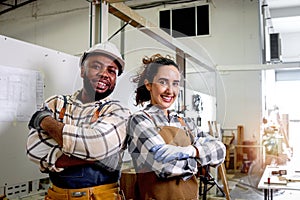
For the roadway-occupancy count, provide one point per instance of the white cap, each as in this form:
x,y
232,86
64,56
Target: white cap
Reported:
x,y
106,48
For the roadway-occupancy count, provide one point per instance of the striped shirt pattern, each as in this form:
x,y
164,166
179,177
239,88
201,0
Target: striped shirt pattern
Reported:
x,y
92,131
143,135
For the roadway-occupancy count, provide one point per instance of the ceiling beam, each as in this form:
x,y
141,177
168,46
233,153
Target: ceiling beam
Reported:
x,y
285,12
258,67
114,1
126,14
13,6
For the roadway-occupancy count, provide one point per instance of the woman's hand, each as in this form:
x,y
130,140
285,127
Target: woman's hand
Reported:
x,y
167,153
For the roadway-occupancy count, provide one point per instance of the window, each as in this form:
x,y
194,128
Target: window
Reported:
x,y
164,21
185,22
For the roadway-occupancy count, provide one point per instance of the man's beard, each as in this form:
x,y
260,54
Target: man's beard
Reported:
x,y
90,90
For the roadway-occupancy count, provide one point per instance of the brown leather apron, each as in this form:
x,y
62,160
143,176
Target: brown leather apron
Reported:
x,y
149,186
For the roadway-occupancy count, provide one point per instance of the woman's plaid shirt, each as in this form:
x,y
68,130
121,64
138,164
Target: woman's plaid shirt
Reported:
x,y
143,135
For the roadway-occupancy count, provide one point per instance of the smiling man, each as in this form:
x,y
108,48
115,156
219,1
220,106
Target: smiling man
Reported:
x,y
78,138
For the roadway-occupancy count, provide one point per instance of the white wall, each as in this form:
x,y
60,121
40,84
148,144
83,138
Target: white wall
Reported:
x,y
54,24
234,38
289,47
239,101
61,76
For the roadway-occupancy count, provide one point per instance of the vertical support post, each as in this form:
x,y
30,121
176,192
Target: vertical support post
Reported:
x,y
263,17
122,46
104,22
180,60
98,22
91,24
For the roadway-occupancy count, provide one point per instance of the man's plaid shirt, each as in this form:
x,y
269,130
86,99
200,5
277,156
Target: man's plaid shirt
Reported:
x,y
92,131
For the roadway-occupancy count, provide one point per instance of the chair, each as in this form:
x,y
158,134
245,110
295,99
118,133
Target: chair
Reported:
x,y
227,141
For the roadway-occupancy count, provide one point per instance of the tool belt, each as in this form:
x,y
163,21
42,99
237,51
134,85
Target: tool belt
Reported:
x,y
102,192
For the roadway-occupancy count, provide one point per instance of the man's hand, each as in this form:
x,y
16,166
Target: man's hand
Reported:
x,y
68,161
37,117
167,153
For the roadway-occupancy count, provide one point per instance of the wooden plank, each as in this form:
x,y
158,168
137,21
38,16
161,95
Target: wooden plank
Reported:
x,y
221,168
239,152
222,172
240,134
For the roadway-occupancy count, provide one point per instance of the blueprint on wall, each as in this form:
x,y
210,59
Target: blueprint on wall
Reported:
x,y
21,93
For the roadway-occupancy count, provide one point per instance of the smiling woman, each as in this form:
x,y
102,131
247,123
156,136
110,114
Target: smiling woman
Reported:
x,y
166,148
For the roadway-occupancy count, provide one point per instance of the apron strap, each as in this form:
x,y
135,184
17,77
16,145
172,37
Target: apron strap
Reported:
x,y
63,110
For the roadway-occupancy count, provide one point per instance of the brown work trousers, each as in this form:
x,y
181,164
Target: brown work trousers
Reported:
x,y
102,192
